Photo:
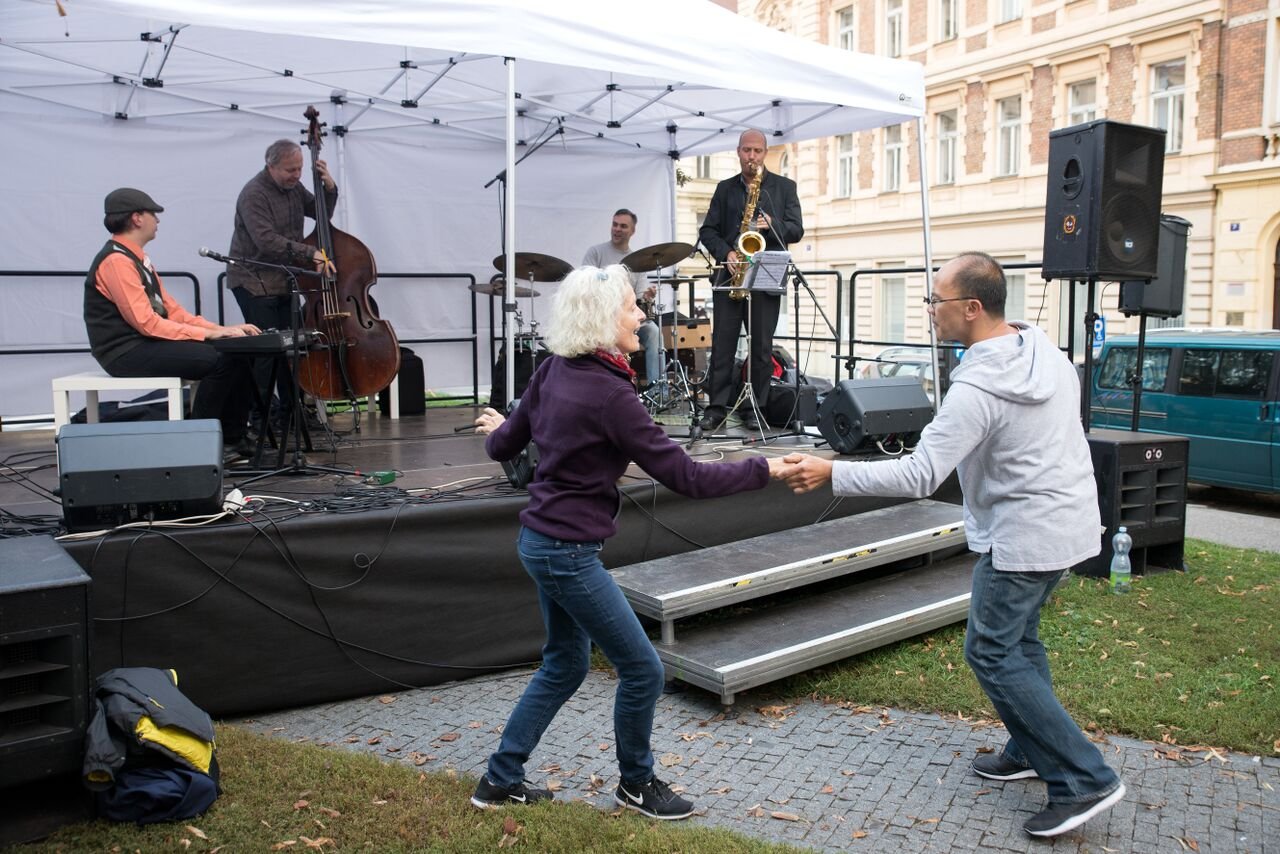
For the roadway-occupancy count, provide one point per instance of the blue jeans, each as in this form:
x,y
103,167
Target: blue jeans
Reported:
x,y
1002,645
651,341
580,604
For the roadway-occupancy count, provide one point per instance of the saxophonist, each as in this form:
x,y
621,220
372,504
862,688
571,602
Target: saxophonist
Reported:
x,y
778,220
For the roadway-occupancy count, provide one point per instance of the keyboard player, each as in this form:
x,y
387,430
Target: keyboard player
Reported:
x,y
136,329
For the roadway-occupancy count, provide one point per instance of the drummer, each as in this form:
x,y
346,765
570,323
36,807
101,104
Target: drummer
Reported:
x,y
612,252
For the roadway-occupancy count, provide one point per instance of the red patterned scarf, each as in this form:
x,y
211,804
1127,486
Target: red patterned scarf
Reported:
x,y
617,360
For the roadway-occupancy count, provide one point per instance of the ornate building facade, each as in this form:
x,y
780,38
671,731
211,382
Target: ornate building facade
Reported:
x,y
1000,75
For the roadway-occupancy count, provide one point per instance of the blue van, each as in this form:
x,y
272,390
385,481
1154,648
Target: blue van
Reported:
x,y
1219,388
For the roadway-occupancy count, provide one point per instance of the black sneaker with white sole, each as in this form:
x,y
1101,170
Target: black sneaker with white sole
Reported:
x,y
1059,818
994,766
490,797
654,799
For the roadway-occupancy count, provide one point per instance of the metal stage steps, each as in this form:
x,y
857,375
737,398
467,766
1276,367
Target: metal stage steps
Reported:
x,y
836,620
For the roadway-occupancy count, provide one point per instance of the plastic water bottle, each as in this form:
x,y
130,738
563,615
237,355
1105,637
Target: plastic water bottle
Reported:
x,y
1121,569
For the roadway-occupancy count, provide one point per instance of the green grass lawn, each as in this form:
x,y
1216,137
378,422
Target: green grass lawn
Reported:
x,y
1189,659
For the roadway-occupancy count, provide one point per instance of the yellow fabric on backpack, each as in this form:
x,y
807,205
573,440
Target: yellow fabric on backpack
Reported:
x,y
197,752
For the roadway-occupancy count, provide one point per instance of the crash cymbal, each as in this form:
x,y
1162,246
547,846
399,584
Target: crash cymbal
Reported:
x,y
538,268
498,288
657,256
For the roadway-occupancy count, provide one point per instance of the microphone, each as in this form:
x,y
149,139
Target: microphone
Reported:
x,y
206,252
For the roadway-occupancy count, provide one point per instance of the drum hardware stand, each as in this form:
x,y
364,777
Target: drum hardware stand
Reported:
x,y
299,465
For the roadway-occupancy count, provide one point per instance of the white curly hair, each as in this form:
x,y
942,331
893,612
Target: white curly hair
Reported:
x,y
584,313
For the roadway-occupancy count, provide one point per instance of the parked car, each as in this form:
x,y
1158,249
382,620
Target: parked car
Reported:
x,y
901,362
1219,388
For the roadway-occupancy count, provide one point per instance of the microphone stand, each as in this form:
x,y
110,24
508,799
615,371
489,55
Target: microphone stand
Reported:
x,y
796,434
296,410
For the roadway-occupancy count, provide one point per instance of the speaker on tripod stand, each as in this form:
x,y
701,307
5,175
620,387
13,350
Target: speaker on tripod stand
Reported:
x,y
1102,205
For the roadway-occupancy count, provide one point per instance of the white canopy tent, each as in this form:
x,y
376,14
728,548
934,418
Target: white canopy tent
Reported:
x,y
423,108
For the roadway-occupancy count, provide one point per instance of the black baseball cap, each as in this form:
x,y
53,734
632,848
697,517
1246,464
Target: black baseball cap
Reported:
x,y
128,200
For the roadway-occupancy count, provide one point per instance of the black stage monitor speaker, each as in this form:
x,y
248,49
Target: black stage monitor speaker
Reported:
x,y
44,667
1162,296
1102,207
858,413
109,474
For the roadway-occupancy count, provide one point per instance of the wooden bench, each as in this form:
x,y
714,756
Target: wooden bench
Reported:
x,y
92,382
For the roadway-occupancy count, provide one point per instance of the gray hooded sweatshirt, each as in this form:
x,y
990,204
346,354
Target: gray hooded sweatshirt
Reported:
x,y
1011,426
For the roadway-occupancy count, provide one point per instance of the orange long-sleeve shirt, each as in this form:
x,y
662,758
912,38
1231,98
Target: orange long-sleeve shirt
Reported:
x,y
117,280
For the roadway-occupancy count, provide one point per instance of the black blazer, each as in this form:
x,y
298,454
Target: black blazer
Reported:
x,y
778,198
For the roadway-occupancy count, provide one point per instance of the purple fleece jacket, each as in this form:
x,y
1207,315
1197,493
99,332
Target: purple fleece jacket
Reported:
x,y
588,424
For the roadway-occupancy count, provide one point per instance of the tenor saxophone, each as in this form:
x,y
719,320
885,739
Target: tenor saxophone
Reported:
x,y
750,241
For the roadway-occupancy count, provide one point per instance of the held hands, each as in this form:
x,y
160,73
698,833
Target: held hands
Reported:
x,y
489,420
802,472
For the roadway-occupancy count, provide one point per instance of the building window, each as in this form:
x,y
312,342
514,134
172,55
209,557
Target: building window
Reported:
x,y
847,36
844,166
947,136
1010,10
893,27
1008,135
1015,298
893,148
948,22
784,165
702,166
893,308
1082,102
1168,86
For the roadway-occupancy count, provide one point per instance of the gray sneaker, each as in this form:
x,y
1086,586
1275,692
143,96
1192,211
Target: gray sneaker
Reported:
x,y
1059,818
994,766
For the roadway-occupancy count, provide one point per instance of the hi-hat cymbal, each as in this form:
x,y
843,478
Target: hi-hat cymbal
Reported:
x,y
498,288
657,256
538,268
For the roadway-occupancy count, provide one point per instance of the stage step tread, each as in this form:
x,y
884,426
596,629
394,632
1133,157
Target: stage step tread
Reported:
x,y
780,640
693,582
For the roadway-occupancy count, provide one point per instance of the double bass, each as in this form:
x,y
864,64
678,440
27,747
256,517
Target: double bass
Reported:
x,y
360,354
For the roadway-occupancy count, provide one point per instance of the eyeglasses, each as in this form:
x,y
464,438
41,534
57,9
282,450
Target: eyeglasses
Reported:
x,y
933,301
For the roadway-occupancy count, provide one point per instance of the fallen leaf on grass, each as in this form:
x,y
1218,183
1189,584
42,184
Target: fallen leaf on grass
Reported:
x,y
197,832
332,813
378,802
280,846
319,842
301,805
509,826
184,842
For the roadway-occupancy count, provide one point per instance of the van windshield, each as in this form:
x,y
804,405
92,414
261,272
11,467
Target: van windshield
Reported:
x,y
1120,366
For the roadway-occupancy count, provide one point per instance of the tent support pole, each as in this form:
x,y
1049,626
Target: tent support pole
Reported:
x,y
509,212
921,149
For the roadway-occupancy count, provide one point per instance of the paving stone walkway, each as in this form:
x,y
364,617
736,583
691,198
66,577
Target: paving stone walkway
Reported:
x,y
820,776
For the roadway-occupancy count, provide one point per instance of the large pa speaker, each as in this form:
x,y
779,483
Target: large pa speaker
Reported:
x,y
1102,207
858,413
1142,485
110,474
1162,296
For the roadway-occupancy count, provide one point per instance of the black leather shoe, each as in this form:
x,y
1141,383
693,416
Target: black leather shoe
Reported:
x,y
711,420
749,420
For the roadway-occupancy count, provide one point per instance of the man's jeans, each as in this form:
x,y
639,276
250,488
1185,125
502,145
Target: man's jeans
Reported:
x,y
1002,645
651,341
580,604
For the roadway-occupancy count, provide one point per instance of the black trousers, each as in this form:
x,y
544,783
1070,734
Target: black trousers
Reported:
x,y
759,312
224,392
268,312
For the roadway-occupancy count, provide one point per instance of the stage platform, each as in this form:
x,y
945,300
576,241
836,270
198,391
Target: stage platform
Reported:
x,y
341,589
